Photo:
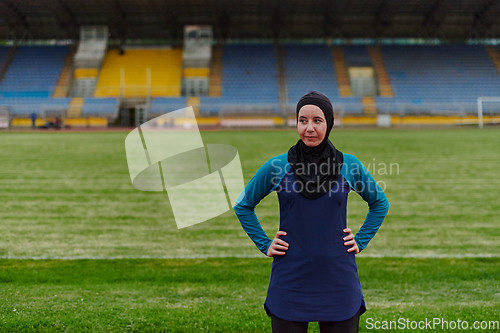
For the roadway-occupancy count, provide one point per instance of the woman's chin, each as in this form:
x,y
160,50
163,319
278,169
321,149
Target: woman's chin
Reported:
x,y
311,143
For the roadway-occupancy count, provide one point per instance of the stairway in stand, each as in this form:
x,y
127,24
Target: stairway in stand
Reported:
x,y
495,56
63,84
385,87
75,107
4,66
194,101
369,105
341,69
215,76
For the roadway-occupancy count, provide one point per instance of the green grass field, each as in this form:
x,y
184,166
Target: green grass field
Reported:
x,y
69,195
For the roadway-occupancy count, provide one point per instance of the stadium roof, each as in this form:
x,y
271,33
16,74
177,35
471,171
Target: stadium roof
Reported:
x,y
160,19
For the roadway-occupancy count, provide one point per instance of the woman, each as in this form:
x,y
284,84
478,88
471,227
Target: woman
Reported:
x,y
314,275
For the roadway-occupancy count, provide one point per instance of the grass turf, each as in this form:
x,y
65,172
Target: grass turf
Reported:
x,y
226,294
69,195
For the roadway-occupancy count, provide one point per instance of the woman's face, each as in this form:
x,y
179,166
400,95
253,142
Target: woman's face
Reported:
x,y
311,125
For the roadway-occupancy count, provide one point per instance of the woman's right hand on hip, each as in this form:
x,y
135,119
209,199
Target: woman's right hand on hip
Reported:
x,y
277,244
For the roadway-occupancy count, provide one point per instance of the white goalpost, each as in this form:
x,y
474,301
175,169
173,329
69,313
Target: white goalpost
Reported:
x,y
480,101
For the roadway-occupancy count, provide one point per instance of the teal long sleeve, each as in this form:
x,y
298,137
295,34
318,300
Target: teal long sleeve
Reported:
x,y
270,174
262,183
363,183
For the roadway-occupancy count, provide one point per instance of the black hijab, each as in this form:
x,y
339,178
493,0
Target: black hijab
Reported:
x,y
316,168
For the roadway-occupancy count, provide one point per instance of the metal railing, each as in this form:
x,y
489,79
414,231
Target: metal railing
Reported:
x,y
443,109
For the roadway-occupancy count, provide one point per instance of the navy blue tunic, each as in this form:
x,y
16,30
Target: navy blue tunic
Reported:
x,y
317,279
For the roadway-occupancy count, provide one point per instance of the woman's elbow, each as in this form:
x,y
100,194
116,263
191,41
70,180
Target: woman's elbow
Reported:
x,y
381,206
242,210
385,206
238,209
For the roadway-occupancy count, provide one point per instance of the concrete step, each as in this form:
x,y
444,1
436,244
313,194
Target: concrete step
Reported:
x,y
343,81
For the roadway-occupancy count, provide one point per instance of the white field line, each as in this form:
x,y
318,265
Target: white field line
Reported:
x,y
208,256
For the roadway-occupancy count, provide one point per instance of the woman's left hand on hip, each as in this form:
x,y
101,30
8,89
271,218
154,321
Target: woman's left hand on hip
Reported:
x,y
349,240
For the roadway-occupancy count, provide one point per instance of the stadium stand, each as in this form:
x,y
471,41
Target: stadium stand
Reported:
x,y
165,65
494,53
162,105
425,79
101,106
215,76
424,76
357,55
311,67
4,51
341,70
195,72
26,106
249,76
194,102
384,82
75,107
63,83
258,68
34,71
85,73
210,106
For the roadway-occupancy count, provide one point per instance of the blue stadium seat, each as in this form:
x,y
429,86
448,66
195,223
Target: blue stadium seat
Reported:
x,y
167,104
34,71
357,55
438,78
310,67
99,106
26,106
249,74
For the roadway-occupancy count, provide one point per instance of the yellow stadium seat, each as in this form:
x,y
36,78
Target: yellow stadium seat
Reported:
x,y
76,122
22,122
26,122
85,73
165,73
98,122
196,72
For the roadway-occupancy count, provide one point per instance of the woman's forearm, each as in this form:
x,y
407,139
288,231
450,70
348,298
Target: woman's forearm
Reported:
x,y
252,227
